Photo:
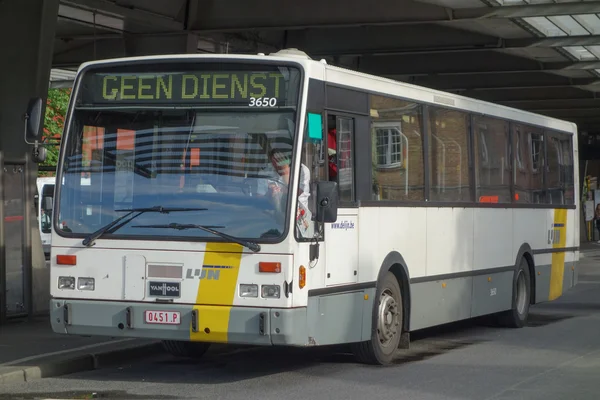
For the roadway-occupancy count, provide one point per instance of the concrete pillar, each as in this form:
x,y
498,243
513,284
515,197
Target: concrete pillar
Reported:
x,y
180,43
27,30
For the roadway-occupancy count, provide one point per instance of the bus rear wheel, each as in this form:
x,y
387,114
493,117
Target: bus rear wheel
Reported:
x,y
185,349
385,336
517,316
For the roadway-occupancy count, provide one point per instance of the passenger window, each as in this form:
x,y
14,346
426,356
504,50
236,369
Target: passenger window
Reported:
x,y
559,174
492,160
397,149
528,164
449,155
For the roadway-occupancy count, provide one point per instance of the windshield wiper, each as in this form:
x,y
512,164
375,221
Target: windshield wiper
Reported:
x,y
89,240
255,247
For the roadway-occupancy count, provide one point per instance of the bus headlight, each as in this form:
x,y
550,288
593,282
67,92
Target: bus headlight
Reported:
x,y
270,291
248,290
66,282
85,284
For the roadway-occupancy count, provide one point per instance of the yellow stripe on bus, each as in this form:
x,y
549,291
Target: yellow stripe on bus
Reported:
x,y
558,259
216,291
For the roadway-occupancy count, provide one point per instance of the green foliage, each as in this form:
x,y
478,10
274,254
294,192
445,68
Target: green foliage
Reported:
x,y
54,121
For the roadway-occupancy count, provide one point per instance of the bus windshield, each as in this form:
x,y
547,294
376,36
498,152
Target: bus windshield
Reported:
x,y
181,140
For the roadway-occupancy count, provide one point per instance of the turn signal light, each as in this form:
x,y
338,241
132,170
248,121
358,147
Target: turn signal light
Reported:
x,y
63,259
302,277
273,267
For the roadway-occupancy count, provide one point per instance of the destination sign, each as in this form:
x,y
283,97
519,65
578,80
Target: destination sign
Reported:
x,y
249,88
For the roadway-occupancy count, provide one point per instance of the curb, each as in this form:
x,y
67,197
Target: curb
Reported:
x,y
77,363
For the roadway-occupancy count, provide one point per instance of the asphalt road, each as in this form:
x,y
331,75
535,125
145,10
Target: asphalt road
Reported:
x,y
556,357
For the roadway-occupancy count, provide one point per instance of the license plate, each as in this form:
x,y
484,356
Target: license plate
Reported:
x,y
163,317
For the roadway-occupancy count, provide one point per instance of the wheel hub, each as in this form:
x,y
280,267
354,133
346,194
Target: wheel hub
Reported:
x,y
389,318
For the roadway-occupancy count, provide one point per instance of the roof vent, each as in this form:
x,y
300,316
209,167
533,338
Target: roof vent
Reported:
x,y
291,53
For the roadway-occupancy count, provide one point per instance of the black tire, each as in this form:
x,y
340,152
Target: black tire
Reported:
x,y
185,349
517,316
374,351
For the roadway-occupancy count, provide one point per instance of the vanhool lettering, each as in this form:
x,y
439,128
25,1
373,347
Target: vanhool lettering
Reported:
x,y
164,289
198,86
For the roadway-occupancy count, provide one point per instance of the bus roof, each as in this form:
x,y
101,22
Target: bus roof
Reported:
x,y
367,82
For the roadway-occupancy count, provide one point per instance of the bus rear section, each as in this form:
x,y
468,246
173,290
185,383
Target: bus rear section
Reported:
x,y
220,294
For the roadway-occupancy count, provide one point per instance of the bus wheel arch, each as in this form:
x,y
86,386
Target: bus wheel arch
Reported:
x,y
392,280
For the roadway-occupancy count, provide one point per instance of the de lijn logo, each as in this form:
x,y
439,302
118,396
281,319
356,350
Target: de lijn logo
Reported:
x,y
208,272
165,289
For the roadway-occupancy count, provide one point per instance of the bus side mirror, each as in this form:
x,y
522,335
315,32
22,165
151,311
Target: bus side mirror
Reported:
x,y
33,119
326,201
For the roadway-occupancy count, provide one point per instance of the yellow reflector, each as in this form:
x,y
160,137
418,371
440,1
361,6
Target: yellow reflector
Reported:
x,y
302,277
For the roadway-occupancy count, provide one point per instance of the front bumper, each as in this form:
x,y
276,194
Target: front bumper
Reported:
x,y
216,324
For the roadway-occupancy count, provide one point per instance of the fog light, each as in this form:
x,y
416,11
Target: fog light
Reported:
x,y
248,290
270,291
66,282
85,283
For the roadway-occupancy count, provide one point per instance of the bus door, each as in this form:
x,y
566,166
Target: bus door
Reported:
x,y
341,237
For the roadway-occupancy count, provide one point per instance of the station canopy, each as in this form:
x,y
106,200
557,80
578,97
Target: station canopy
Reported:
x,y
537,55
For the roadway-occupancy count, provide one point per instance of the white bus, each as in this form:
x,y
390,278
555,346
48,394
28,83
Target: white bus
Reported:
x,y
44,200
277,200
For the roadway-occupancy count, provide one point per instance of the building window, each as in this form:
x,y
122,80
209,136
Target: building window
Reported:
x,y
389,146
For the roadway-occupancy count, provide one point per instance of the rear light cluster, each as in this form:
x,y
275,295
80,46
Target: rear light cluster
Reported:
x,y
68,283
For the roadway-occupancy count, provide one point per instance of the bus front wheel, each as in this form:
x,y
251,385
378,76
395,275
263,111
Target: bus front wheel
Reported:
x,y
185,349
387,331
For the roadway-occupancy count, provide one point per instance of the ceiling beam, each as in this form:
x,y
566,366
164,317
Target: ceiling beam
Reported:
x,y
503,82
240,15
325,46
490,62
562,41
549,104
140,16
525,94
529,10
216,15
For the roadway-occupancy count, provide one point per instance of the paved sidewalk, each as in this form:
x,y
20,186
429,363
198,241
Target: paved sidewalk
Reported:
x,y
31,350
